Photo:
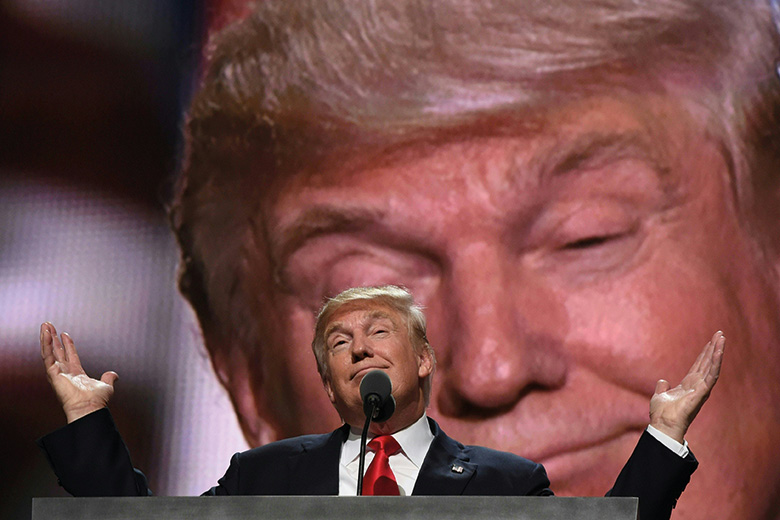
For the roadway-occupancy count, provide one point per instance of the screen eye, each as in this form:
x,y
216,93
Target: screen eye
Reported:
x,y
588,242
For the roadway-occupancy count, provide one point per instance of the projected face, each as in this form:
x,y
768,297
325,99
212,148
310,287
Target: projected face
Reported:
x,y
563,272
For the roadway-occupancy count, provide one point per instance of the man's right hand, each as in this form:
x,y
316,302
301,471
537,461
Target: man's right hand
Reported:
x,y
78,393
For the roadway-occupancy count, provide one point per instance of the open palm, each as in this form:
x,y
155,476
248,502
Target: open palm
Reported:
x,y
78,393
673,409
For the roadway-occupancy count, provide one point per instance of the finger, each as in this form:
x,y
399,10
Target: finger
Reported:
x,y
717,361
70,349
109,378
56,346
709,353
49,361
715,337
699,359
662,386
721,346
45,342
706,362
57,350
703,362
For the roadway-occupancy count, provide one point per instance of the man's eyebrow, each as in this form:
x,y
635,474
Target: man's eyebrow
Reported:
x,y
333,327
320,220
379,315
338,326
594,150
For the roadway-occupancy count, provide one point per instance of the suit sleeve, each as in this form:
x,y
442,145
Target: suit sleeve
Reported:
x,y
539,484
656,475
229,483
90,458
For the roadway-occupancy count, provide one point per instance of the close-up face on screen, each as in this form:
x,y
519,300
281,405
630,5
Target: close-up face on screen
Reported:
x,y
577,194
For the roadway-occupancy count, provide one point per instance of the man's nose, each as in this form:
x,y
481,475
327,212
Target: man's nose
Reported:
x,y
361,348
503,332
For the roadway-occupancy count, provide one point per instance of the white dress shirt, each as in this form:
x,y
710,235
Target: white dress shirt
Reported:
x,y
415,441
680,449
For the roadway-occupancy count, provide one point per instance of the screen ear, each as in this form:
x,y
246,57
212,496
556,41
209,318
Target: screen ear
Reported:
x,y
232,369
764,219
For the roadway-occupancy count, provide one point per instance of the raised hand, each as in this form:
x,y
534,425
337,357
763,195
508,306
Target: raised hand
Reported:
x,y
78,393
673,409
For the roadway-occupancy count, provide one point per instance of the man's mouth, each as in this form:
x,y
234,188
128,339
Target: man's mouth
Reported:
x,y
364,370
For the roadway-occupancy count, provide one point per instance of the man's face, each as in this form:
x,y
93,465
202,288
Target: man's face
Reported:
x,y
563,272
364,336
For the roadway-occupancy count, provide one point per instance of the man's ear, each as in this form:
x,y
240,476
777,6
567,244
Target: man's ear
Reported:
x,y
424,364
329,389
232,368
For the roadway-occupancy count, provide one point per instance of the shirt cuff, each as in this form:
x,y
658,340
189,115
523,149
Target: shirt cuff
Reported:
x,y
680,449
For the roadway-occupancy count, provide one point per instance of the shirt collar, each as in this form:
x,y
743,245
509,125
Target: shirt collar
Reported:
x,y
414,440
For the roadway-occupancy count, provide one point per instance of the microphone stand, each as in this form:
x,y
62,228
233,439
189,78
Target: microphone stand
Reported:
x,y
374,401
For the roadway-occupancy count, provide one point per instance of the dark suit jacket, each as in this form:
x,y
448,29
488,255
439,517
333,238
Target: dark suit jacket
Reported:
x,y
90,459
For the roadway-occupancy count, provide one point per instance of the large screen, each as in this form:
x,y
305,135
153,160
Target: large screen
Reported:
x,y
577,194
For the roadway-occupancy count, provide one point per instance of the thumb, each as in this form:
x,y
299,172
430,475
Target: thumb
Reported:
x,y
662,386
109,378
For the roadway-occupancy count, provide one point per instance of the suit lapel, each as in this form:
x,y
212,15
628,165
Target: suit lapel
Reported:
x,y
315,469
446,469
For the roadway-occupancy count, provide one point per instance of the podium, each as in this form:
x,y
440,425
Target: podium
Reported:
x,y
335,508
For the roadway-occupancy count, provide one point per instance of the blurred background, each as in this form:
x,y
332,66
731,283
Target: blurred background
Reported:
x,y
91,100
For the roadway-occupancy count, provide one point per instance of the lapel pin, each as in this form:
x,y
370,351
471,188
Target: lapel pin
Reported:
x,y
457,469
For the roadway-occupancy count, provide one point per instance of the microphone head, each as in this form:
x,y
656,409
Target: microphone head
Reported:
x,y
375,390
385,410
376,382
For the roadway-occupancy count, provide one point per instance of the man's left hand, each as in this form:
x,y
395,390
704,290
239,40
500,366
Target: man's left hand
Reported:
x,y
673,409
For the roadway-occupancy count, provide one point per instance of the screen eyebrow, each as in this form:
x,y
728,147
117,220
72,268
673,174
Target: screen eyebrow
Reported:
x,y
595,150
316,221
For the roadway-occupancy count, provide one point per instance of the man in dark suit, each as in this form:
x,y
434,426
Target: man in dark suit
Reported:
x,y
358,331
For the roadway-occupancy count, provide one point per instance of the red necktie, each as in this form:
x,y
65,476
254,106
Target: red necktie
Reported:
x,y
379,478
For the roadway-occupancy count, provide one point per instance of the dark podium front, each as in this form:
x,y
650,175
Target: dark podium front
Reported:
x,y
335,508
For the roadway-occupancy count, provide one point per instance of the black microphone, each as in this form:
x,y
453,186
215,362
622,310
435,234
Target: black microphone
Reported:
x,y
378,405
375,390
